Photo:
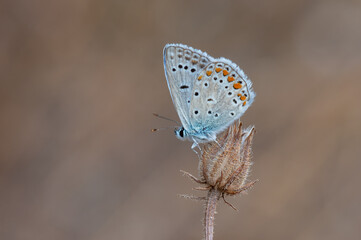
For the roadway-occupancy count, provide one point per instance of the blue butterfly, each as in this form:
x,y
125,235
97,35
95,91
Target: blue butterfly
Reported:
x,y
208,93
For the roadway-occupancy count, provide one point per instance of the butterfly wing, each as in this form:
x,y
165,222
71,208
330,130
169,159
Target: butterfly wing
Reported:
x,y
182,64
220,95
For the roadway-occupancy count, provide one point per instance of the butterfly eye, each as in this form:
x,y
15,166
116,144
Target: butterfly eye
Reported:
x,y
193,70
174,69
209,112
185,67
196,93
196,112
231,113
180,66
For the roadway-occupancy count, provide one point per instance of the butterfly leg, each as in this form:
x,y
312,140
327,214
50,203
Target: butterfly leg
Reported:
x,y
214,138
219,145
194,145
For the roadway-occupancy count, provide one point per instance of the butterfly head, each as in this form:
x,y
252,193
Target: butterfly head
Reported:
x,y
181,133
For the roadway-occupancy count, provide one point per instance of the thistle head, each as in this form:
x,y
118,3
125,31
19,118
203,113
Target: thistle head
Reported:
x,y
225,164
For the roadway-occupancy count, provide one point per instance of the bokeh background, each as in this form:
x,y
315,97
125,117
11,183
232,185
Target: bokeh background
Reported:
x,y
81,79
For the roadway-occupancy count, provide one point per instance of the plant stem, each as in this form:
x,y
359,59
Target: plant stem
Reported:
x,y
210,211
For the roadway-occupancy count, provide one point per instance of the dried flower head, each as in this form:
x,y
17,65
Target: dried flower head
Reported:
x,y
225,164
224,167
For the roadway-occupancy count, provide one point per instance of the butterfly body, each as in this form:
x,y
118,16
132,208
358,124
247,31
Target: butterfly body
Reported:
x,y
194,135
209,94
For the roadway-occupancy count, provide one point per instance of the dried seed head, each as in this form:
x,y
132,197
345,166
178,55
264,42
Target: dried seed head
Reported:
x,y
224,167
225,164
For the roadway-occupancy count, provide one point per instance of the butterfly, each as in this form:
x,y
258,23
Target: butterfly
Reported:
x,y
208,93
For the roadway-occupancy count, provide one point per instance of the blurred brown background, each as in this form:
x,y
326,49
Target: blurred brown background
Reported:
x,y
80,80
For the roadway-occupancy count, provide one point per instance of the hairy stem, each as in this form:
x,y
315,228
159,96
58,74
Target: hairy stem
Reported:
x,y
210,211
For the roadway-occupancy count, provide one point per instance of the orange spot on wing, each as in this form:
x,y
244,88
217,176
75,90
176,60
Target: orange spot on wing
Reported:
x,y
243,98
209,73
200,77
230,79
237,85
244,103
218,70
225,72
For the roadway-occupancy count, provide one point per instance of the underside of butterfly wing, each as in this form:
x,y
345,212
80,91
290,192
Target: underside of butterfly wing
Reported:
x,y
182,64
220,96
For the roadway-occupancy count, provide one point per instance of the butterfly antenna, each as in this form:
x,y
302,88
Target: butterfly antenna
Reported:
x,y
194,145
165,118
165,128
